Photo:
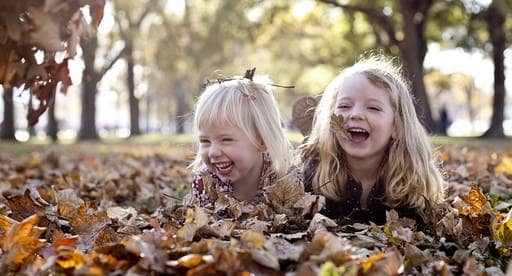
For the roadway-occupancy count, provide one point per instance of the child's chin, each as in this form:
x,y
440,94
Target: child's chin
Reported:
x,y
225,179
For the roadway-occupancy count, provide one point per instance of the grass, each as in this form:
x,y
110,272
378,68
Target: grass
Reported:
x,y
183,144
472,142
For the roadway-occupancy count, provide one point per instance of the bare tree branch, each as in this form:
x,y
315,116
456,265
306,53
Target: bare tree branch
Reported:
x,y
107,67
374,16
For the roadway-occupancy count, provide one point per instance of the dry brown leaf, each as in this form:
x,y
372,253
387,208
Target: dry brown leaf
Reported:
x,y
195,219
223,228
476,201
283,195
303,111
385,263
320,223
339,127
310,204
265,258
68,258
23,206
21,242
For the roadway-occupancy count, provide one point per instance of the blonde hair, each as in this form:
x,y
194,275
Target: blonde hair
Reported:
x,y
409,172
251,107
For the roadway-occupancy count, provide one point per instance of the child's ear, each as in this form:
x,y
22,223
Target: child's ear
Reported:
x,y
394,134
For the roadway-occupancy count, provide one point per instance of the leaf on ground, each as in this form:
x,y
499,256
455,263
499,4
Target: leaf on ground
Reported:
x,y
283,195
21,242
92,226
310,204
320,223
265,258
503,231
505,166
415,256
476,201
384,263
253,239
223,228
286,250
5,224
195,219
69,258
68,203
23,206
256,225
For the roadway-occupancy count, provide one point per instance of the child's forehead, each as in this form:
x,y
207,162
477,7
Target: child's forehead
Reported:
x,y
360,86
220,124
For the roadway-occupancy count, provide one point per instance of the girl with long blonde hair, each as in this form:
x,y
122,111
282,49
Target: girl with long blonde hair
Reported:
x,y
367,151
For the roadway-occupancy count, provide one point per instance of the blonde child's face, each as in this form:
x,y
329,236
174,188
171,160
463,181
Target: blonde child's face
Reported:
x,y
368,114
229,153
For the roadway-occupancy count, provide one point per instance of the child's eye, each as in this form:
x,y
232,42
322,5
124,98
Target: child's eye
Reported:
x,y
376,108
204,141
227,139
343,106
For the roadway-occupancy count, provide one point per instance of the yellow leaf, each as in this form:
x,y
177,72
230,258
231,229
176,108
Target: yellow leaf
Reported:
x,y
22,241
505,166
253,239
70,259
503,230
368,263
476,201
190,260
5,225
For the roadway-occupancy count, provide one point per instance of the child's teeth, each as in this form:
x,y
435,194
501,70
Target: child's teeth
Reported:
x,y
223,165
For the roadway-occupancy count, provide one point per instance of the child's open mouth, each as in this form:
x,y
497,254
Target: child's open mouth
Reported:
x,y
224,168
358,134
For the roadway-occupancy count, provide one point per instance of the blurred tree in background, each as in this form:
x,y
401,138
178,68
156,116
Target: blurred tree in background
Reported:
x,y
157,53
37,39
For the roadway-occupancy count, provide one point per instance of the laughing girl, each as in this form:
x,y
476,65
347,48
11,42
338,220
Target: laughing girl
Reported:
x,y
242,144
379,157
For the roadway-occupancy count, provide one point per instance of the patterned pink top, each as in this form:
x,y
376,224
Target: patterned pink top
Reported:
x,y
199,191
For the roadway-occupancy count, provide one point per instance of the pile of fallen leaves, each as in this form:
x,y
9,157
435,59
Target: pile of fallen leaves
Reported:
x,y
127,213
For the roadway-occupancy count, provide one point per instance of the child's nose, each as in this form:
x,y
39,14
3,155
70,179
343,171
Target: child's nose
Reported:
x,y
214,151
357,114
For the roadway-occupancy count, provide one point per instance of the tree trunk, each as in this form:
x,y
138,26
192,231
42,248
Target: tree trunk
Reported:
x,y
413,49
469,89
495,20
89,81
52,127
182,108
133,101
8,129
148,112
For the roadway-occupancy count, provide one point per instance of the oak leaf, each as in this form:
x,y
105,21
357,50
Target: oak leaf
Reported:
x,y
338,126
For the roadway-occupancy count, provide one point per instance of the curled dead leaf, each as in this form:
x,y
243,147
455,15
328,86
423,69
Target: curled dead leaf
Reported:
x,y
339,127
22,241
